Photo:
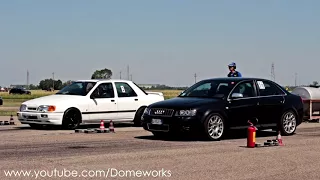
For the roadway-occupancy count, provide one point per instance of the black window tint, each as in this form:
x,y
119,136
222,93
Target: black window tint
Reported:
x,y
267,88
124,90
104,90
245,88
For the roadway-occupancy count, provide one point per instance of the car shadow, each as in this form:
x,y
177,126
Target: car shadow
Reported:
x,y
196,137
53,128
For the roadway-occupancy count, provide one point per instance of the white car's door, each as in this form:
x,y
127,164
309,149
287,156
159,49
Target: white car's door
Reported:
x,y
128,101
104,104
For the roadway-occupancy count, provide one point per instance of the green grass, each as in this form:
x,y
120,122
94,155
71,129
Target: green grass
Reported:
x,y
13,102
8,113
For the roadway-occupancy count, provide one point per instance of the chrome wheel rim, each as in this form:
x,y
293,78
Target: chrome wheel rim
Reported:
x,y
215,127
289,122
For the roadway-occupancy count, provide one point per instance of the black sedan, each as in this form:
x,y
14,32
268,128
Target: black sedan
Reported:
x,y
19,91
216,106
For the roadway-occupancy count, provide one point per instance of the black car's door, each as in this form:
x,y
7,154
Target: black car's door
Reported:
x,y
242,104
271,102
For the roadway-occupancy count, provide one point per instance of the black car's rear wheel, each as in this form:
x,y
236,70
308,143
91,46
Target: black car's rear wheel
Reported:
x,y
288,123
214,127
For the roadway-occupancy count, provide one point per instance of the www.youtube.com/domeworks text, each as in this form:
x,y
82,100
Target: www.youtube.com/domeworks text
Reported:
x,y
110,172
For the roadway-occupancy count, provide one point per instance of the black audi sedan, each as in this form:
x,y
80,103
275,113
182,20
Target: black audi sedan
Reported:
x,y
216,106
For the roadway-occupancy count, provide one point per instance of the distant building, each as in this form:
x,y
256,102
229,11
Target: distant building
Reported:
x,y
148,85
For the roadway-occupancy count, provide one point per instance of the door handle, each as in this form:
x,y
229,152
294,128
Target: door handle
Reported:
x,y
112,100
136,99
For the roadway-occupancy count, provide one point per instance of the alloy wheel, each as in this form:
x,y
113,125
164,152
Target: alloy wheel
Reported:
x,y
215,127
289,122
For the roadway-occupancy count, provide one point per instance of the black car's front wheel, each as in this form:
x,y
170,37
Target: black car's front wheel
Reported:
x,y
214,127
288,123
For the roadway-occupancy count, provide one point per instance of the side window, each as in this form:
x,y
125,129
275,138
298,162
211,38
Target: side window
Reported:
x,y
245,88
268,89
104,90
124,90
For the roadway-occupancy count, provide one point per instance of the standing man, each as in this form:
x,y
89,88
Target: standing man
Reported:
x,y
233,72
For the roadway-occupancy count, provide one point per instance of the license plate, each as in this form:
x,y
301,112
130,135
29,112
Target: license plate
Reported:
x,y
156,121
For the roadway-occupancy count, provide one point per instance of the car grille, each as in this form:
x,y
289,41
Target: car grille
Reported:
x,y
32,109
161,112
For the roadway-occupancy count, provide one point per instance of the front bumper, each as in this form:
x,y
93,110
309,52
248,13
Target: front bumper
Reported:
x,y
40,118
171,124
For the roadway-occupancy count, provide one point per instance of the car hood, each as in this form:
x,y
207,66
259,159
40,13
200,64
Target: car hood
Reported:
x,y
53,100
185,102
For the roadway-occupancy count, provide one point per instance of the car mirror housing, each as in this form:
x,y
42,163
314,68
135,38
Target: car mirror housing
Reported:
x,y
92,96
236,95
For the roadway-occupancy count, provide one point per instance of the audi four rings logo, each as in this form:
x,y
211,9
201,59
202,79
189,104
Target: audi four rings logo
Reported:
x,y
159,112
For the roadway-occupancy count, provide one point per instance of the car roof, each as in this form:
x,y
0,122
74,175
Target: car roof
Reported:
x,y
103,80
237,79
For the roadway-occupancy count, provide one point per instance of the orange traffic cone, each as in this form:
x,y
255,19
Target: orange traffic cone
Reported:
x,y
111,127
102,125
279,139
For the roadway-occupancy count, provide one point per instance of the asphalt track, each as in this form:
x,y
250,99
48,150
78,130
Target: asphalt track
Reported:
x,y
133,149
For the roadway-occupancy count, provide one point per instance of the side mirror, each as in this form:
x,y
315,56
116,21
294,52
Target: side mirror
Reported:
x,y
94,94
236,95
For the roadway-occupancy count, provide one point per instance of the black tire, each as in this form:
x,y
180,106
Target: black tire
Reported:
x,y
222,126
288,123
71,119
137,117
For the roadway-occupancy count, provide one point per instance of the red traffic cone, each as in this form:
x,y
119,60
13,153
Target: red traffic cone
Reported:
x,y
279,139
102,125
111,127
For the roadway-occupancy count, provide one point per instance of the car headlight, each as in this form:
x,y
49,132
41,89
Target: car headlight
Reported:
x,y
23,108
46,108
146,111
192,112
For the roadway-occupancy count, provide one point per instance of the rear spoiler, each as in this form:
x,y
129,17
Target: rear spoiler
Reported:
x,y
156,93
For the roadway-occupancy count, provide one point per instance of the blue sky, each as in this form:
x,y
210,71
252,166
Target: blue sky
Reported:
x,y
164,41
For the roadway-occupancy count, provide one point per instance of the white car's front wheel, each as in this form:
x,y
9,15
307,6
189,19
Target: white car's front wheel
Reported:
x,y
71,119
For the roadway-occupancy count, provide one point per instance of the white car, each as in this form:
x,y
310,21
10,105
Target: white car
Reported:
x,y
89,102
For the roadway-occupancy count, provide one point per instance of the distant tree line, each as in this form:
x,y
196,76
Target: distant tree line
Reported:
x,y
50,84
164,87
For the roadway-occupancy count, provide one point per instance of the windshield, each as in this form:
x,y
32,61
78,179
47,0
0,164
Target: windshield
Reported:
x,y
209,89
77,88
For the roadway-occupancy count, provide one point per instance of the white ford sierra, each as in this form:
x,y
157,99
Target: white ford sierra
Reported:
x,y
89,102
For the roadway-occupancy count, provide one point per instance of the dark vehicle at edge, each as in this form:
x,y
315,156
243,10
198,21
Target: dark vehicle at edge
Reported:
x,y
1,101
216,106
19,91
